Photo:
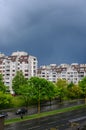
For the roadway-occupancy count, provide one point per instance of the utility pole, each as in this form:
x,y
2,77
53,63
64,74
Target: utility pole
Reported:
x,y
2,122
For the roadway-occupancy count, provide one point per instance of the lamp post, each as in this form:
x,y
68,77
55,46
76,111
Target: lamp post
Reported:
x,y
1,122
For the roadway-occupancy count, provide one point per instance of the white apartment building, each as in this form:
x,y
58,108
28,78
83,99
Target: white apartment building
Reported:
x,y
48,72
72,73
9,65
28,64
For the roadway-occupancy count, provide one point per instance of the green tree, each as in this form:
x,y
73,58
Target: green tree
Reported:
x,y
5,100
41,89
2,86
70,94
73,91
70,85
51,91
82,84
25,92
18,81
61,88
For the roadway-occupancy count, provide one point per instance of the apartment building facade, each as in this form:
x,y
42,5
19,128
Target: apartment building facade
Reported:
x,y
48,72
22,61
72,73
18,61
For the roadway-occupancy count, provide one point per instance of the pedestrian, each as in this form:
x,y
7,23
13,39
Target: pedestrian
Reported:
x,y
78,128
21,116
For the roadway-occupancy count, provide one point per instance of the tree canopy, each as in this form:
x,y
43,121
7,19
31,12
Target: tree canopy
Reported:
x,y
5,100
82,84
2,86
18,81
73,91
41,89
25,92
61,87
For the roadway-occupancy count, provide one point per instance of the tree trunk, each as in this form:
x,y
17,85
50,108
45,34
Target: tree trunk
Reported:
x,y
85,99
38,105
60,99
50,101
39,100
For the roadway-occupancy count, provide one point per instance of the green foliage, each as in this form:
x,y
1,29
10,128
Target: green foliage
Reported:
x,y
70,85
18,81
26,94
74,91
61,83
61,88
51,90
35,89
2,86
5,100
17,101
41,89
82,84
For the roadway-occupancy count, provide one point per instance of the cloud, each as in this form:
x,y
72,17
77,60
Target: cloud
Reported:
x,y
54,31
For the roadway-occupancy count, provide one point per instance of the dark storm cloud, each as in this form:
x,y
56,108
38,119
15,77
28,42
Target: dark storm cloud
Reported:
x,y
52,30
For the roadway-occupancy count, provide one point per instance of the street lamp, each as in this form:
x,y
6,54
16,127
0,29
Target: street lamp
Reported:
x,y
2,122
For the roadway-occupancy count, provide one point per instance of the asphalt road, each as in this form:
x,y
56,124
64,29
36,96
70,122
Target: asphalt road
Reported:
x,y
44,108
57,122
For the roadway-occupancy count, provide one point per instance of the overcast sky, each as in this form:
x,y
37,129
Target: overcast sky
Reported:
x,y
52,30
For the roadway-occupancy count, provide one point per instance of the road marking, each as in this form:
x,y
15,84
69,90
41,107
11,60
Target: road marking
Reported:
x,y
52,128
52,122
28,123
33,127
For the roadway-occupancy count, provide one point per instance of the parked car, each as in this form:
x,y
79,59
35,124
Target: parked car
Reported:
x,y
5,114
21,111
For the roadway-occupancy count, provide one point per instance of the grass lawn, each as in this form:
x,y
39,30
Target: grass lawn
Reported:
x,y
35,116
